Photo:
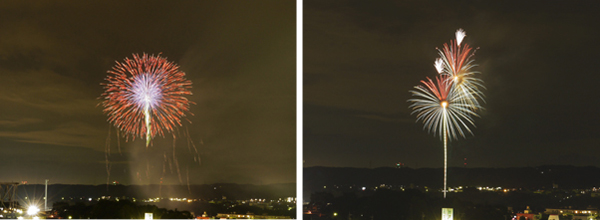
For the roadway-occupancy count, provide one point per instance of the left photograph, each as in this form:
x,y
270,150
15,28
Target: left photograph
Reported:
x,y
148,110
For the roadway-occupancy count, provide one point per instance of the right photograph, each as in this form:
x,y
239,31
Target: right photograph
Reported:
x,y
461,110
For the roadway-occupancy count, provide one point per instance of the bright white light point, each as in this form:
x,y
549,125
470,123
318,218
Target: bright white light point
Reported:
x,y
444,104
146,91
460,34
439,65
32,210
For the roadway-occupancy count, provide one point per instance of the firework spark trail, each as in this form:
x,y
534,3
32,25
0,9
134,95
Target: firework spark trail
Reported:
x,y
147,88
199,158
170,165
189,140
164,164
147,169
186,134
447,106
118,140
178,171
106,154
176,162
187,174
107,143
163,174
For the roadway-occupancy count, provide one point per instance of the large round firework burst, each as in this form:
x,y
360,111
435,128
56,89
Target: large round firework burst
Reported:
x,y
145,96
441,108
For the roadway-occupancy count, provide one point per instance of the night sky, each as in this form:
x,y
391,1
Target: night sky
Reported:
x,y
239,55
539,61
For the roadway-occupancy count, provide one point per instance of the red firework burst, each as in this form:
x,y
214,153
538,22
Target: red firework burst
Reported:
x,y
146,96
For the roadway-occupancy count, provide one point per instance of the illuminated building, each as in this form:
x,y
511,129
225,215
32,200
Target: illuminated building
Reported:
x,y
526,214
572,211
577,214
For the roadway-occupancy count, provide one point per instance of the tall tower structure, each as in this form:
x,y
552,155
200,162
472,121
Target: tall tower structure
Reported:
x,y
8,191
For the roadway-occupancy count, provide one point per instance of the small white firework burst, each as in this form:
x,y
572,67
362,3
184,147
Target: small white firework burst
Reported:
x,y
460,34
439,65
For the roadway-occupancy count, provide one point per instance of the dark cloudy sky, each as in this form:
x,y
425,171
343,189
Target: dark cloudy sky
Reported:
x,y
539,61
240,56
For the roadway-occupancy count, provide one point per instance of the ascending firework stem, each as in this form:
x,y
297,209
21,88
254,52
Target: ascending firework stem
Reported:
x,y
448,104
445,152
148,126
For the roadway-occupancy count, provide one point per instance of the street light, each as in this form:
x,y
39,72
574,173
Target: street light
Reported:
x,y
33,210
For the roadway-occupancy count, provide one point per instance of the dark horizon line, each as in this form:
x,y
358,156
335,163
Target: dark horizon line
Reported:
x,y
408,167
110,184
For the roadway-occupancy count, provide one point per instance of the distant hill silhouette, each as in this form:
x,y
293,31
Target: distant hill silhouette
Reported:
x,y
56,192
567,177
